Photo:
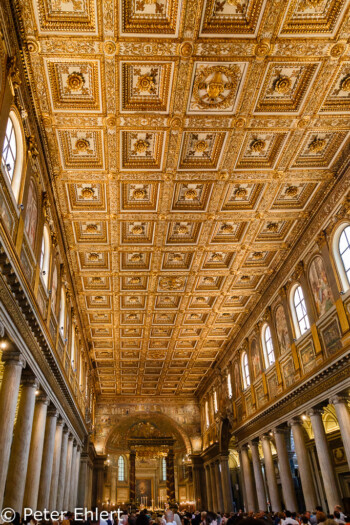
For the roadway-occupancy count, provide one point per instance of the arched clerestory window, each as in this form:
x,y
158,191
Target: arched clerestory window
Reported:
x,y
267,342
245,370
302,323
121,468
12,153
45,255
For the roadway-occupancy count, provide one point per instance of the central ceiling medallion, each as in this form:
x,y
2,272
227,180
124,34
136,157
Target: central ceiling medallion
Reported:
x,y
217,257
227,228
282,85
135,280
87,193
241,193
257,256
137,229
317,145
91,228
272,227
82,145
171,283
258,145
201,146
215,86
177,257
75,81
141,146
147,83
182,230
93,256
139,194
136,257
292,191
191,194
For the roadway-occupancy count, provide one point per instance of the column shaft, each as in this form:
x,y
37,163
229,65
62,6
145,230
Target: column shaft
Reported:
x,y
72,478
35,453
285,472
209,489
219,487
62,471
304,465
114,472
214,487
325,460
16,477
11,378
56,465
248,480
226,484
68,473
46,465
343,416
271,475
259,480
132,477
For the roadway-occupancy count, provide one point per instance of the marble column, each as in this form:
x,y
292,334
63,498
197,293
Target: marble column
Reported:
x,y
214,487
270,474
219,487
62,471
209,489
83,483
343,415
72,477
198,487
248,480
14,363
76,477
114,472
16,477
132,476
226,483
68,473
285,471
56,464
306,475
324,457
258,476
170,476
47,460
36,452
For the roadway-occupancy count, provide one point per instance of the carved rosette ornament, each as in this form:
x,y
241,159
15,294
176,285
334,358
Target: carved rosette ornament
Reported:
x,y
345,84
258,146
215,86
317,145
282,85
263,48
75,81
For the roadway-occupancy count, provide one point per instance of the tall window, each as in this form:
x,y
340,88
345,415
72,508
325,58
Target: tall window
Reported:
x,y
245,370
300,310
72,348
163,469
62,311
344,251
45,255
215,402
9,150
121,469
229,386
12,153
206,408
268,346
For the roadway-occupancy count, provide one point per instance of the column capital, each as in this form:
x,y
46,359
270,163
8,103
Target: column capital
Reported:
x,y
315,411
281,430
29,379
266,437
295,421
60,422
52,411
245,446
254,442
65,428
13,357
43,399
70,437
339,399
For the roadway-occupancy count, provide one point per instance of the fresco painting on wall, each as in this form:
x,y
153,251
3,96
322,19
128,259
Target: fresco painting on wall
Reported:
x,y
321,290
331,337
288,372
282,329
255,357
307,356
31,215
236,381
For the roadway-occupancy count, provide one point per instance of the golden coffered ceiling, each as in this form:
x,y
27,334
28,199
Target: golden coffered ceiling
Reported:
x,y
190,143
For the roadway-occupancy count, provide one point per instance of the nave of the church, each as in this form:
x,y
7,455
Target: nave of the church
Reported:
x,y
175,262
